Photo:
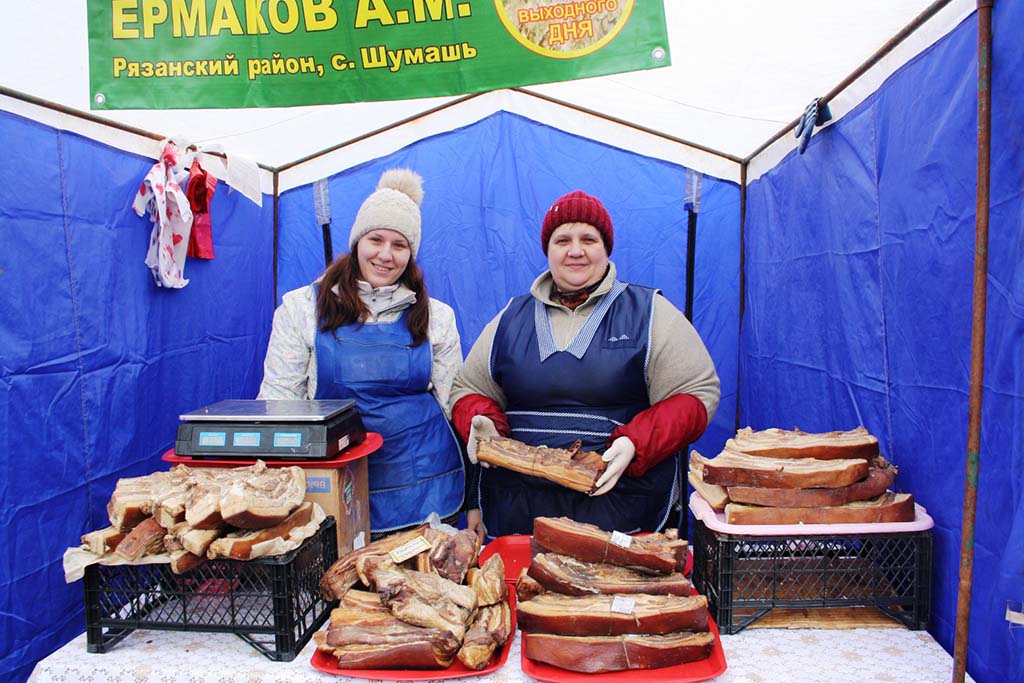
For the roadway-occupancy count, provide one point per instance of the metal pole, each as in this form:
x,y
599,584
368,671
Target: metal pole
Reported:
x,y
277,208
743,281
691,258
963,611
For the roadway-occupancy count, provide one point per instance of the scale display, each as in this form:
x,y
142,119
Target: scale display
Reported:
x,y
300,430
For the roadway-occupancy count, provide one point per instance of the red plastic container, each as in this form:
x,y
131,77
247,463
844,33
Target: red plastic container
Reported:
x,y
328,664
702,670
515,552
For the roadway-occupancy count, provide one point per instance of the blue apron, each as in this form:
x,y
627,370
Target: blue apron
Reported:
x,y
556,397
418,469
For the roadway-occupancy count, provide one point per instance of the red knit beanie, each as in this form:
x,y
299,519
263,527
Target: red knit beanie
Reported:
x,y
577,207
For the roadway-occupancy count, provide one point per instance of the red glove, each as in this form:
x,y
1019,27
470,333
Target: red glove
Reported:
x,y
468,407
662,430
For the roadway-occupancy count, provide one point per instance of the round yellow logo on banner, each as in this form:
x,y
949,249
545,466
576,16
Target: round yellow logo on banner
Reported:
x,y
564,29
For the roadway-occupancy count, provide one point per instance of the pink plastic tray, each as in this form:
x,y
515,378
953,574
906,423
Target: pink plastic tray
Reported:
x,y
715,521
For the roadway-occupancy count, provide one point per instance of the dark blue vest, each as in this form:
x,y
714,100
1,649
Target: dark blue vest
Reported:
x,y
556,397
418,469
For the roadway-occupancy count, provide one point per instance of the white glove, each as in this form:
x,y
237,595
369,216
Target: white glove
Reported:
x,y
618,456
480,428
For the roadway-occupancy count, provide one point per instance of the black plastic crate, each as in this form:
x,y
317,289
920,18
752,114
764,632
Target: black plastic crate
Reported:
x,y
272,603
745,577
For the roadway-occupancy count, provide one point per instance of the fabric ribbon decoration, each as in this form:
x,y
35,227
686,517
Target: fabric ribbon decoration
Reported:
x,y
169,210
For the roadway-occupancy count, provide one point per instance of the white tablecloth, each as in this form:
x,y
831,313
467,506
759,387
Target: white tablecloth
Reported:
x,y
864,655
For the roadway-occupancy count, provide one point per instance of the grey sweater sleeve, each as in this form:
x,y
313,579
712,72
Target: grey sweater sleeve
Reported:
x,y
475,375
679,362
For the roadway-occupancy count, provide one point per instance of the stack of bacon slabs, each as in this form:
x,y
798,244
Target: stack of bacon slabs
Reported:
x,y
776,476
596,602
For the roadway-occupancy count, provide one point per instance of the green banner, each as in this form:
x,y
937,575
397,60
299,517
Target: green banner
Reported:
x,y
184,54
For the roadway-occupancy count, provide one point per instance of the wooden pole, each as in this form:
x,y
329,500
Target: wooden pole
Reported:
x,y
963,609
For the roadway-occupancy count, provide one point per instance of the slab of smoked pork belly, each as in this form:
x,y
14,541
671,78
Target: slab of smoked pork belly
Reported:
x,y
526,586
363,634
739,469
600,654
571,467
569,576
652,553
592,615
342,575
881,476
716,496
488,581
132,500
238,545
102,541
889,507
488,632
780,443
452,556
147,538
262,496
419,598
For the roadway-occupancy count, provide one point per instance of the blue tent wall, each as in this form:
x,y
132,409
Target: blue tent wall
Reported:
x,y
860,257
96,362
487,187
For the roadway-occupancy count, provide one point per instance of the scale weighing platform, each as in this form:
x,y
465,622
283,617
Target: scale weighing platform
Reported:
x,y
301,430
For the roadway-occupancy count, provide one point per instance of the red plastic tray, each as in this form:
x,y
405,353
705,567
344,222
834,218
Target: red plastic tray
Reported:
x,y
370,444
328,664
515,552
702,670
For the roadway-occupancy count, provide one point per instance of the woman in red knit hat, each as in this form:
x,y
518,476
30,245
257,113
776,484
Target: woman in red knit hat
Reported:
x,y
584,356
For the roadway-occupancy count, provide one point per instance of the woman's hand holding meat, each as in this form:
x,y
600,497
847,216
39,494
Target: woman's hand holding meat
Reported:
x,y
480,428
618,456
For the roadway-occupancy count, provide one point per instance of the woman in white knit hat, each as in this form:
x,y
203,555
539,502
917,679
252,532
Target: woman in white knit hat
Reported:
x,y
366,330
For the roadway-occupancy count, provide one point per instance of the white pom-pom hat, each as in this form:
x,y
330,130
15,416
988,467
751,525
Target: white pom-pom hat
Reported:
x,y
394,205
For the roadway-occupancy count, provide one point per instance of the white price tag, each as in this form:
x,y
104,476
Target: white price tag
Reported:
x,y
409,549
623,605
359,541
622,540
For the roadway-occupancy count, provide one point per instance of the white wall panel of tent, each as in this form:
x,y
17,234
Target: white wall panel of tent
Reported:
x,y
856,259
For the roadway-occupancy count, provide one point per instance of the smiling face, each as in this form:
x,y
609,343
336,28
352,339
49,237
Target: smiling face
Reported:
x,y
383,255
577,256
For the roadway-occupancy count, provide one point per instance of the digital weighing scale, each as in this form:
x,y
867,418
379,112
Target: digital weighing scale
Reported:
x,y
301,430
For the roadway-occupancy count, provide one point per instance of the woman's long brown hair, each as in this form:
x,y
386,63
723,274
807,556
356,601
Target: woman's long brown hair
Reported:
x,y
347,308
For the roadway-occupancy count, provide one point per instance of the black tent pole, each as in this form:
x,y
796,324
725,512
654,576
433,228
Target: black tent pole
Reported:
x,y
328,251
691,257
742,284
